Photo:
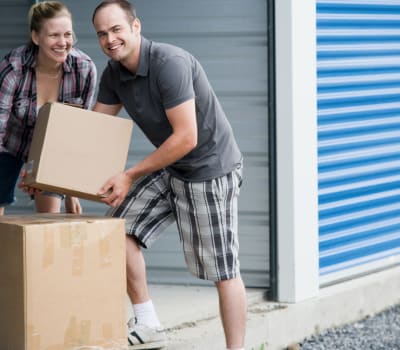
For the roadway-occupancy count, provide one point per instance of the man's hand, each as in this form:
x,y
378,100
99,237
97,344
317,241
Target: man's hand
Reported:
x,y
72,205
115,189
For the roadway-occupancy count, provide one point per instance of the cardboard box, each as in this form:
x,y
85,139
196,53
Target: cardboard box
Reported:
x,y
63,283
75,151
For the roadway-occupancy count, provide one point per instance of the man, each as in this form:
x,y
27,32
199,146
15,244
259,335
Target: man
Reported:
x,y
193,176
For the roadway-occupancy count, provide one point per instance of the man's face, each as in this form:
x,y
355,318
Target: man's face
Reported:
x,y
117,37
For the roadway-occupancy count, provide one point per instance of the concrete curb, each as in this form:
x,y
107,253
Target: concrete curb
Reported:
x,y
191,313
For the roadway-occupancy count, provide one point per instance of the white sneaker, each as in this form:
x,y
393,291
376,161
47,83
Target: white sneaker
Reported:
x,y
144,337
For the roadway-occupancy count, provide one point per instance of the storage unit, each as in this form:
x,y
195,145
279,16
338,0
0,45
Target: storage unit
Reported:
x,y
229,37
358,47
63,282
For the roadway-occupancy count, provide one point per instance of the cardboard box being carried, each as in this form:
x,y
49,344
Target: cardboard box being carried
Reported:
x,y
75,151
63,282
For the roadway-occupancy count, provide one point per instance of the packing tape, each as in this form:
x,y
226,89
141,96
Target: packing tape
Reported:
x,y
65,236
106,253
33,338
107,330
78,254
49,246
72,236
107,334
105,248
77,333
71,333
77,337
77,239
84,332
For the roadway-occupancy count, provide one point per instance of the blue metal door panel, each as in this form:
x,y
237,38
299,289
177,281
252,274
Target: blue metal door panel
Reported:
x,y
358,58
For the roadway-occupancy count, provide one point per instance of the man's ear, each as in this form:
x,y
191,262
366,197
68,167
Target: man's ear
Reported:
x,y
136,26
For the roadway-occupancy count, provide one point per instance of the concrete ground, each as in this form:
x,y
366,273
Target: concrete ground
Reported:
x,y
190,313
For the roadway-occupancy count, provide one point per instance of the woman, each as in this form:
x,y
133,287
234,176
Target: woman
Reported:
x,y
47,69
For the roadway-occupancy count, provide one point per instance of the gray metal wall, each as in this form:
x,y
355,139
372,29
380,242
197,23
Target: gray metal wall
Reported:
x,y
13,23
359,135
229,37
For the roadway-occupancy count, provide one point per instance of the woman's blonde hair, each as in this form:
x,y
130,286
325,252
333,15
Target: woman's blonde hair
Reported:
x,y
42,11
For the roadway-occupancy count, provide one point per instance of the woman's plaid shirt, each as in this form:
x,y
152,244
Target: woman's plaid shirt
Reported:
x,y
18,99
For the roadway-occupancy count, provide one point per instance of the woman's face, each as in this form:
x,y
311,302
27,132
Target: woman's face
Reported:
x,y
54,39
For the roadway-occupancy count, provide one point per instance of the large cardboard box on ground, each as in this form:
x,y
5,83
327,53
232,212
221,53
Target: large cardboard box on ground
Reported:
x,y
63,283
75,151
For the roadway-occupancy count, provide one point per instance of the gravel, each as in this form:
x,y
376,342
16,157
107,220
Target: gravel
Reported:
x,y
376,332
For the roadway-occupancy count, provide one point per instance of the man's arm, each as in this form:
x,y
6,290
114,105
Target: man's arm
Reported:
x,y
182,140
107,109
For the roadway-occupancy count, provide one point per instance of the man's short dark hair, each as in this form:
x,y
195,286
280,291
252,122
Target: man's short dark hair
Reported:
x,y
125,5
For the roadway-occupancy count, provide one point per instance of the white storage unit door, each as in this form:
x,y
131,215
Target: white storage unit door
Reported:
x,y
358,44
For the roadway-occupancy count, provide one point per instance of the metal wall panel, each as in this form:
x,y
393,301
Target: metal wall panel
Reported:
x,y
14,31
358,44
13,24
229,37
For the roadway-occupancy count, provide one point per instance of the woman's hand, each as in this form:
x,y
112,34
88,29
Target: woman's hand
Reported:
x,y
72,205
24,188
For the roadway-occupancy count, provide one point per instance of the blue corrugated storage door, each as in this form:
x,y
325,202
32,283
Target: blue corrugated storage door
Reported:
x,y
358,44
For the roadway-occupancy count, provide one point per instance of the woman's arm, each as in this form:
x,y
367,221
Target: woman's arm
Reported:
x,y
72,205
90,86
8,85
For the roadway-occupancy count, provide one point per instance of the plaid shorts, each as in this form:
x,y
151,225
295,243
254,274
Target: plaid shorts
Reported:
x,y
206,214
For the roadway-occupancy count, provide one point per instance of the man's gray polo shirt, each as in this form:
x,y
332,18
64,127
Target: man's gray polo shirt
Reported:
x,y
166,77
